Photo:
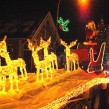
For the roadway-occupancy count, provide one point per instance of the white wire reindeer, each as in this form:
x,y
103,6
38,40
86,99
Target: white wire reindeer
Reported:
x,y
71,58
19,63
40,65
51,57
11,72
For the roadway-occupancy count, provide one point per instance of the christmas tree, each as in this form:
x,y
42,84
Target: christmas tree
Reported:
x,y
102,31
103,38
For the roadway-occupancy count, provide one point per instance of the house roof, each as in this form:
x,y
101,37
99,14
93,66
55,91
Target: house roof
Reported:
x,y
20,27
50,19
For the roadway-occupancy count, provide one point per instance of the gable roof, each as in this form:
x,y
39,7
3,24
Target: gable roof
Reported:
x,y
19,27
49,18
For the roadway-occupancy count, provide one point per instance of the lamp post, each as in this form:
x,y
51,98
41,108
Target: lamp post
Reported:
x,y
57,13
62,23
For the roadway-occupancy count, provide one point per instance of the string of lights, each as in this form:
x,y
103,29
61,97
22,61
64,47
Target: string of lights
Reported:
x,y
74,93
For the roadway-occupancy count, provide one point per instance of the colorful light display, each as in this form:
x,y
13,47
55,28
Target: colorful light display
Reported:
x,y
63,100
91,31
83,10
19,63
63,24
45,68
83,2
71,59
9,70
39,65
49,56
96,65
46,65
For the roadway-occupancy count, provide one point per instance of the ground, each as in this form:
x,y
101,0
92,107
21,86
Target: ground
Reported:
x,y
50,94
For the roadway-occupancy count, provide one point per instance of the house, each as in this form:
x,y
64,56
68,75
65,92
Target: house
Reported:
x,y
18,31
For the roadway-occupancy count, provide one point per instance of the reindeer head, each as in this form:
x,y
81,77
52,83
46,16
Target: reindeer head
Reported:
x,y
45,44
3,46
32,47
63,42
30,44
66,45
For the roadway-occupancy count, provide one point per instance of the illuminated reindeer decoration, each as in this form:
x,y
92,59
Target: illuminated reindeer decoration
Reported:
x,y
40,65
52,58
2,79
71,58
9,70
19,63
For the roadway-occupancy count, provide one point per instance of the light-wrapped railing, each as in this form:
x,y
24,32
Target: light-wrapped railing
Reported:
x,y
74,93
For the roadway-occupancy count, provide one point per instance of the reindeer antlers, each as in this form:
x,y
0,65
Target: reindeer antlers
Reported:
x,y
45,43
28,40
63,42
49,39
5,37
71,44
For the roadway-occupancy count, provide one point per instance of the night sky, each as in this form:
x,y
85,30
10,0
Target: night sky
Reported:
x,y
68,9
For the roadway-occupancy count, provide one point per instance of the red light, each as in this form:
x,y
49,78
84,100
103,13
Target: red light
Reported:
x,y
83,9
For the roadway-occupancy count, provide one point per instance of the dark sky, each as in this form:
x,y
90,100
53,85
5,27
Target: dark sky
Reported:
x,y
28,9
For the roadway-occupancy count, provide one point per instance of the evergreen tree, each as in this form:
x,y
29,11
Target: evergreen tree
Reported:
x,y
102,31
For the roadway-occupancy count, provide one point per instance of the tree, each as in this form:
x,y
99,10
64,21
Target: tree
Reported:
x,y
102,31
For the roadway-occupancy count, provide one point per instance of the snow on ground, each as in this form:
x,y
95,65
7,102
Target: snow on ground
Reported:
x,y
34,95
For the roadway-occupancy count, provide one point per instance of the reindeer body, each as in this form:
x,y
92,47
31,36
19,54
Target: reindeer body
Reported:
x,y
73,61
19,63
70,58
52,58
41,66
11,72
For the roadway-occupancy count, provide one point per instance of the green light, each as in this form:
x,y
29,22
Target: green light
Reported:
x,y
63,24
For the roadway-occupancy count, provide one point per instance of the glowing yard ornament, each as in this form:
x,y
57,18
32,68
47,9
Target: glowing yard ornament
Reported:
x,y
19,63
96,65
45,46
73,61
11,72
52,58
70,58
63,24
2,80
75,92
41,66
106,72
91,31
